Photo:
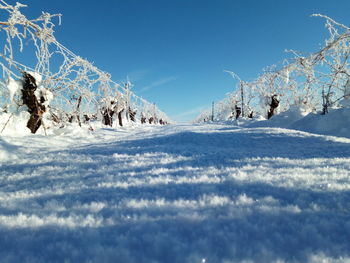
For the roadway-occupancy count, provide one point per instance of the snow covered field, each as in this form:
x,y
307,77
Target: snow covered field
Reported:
x,y
201,193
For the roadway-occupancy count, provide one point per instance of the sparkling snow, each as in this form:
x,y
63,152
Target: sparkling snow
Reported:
x,y
205,193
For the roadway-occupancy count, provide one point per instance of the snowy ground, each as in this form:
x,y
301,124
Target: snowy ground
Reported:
x,y
206,193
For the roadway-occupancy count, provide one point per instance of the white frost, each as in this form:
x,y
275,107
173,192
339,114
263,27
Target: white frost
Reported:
x,y
45,93
14,86
37,76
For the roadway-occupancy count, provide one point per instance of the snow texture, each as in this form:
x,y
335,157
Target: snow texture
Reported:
x,y
14,86
205,193
335,123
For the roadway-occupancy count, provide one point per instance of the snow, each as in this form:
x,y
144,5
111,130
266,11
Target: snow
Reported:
x,y
336,123
13,86
14,123
179,193
45,93
282,120
37,76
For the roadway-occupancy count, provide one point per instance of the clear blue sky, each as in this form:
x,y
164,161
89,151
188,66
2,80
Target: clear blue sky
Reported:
x,y
175,51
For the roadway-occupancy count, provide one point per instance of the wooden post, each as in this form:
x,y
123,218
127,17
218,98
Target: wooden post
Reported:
x,y
120,119
242,97
127,91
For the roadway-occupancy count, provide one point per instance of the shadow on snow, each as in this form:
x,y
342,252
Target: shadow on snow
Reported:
x,y
183,234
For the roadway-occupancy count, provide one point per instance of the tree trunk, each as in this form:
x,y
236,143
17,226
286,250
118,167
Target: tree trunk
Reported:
x,y
132,114
35,108
120,119
238,111
274,104
108,117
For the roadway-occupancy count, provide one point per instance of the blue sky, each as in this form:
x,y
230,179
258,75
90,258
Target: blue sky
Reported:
x,y
175,52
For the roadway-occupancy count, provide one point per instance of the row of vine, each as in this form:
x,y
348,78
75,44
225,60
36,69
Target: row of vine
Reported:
x,y
61,87
315,82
